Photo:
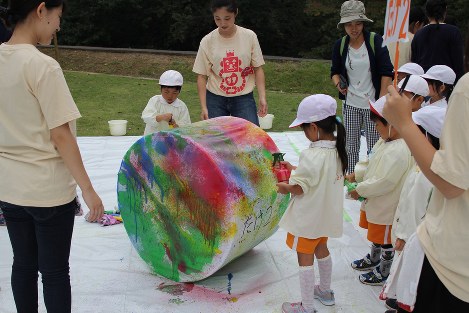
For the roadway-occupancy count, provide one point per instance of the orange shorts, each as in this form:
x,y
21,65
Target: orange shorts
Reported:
x,y
380,234
304,245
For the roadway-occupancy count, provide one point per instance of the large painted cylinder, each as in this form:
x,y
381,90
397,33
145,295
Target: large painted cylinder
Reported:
x,y
197,197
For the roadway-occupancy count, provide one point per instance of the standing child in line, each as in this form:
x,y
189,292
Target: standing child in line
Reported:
x,y
409,69
417,189
440,79
416,90
315,209
40,160
389,164
166,111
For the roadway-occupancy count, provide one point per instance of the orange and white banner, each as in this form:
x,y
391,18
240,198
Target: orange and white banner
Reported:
x,y
396,24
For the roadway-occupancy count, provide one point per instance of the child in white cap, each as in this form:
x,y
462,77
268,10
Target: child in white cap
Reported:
x,y
389,163
409,69
315,209
166,111
417,189
416,89
440,79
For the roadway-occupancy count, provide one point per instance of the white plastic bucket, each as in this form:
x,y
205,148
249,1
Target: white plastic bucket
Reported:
x,y
118,127
265,122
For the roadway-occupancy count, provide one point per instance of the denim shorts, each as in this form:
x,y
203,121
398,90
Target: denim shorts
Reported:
x,y
239,106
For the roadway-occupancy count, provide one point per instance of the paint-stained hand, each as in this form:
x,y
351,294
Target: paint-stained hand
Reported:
x,y
350,177
283,188
354,194
288,165
399,245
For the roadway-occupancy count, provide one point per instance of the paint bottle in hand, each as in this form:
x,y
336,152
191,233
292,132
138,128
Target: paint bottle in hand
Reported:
x,y
352,186
280,169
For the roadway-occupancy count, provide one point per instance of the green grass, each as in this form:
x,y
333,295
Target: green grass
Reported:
x,y
103,97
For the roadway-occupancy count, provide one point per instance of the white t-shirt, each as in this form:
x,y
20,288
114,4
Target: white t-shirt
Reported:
x,y
444,232
229,62
157,105
318,211
412,205
360,89
388,166
34,98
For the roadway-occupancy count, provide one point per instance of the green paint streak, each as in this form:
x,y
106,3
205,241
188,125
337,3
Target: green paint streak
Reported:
x,y
295,148
347,217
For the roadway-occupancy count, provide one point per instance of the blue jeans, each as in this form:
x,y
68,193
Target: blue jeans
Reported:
x,y
240,106
41,240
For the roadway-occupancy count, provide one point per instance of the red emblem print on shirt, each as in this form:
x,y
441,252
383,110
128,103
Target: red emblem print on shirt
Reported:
x,y
233,76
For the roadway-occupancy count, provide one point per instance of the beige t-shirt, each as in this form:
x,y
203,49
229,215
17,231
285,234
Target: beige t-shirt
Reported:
x,y
444,232
229,62
157,105
388,166
34,99
318,211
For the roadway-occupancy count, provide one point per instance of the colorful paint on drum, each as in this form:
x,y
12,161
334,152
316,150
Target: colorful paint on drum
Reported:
x,y
197,197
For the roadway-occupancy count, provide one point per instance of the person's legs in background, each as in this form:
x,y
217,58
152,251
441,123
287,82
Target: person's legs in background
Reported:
x,y
371,133
41,239
217,105
352,122
244,107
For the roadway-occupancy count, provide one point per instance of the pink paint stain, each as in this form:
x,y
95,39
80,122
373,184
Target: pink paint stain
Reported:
x,y
196,293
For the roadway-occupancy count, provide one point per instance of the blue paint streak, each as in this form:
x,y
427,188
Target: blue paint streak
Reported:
x,y
230,276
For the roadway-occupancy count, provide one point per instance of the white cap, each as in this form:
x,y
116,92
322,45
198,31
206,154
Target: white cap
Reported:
x,y
431,118
314,108
171,78
441,73
417,85
378,106
411,68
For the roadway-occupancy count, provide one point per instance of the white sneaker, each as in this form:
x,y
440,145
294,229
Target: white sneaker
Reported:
x,y
288,307
325,297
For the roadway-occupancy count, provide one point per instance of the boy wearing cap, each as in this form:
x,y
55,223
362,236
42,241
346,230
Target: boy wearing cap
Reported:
x,y
389,163
166,111
315,209
416,89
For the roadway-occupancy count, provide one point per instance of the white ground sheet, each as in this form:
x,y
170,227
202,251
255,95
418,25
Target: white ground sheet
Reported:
x,y
108,275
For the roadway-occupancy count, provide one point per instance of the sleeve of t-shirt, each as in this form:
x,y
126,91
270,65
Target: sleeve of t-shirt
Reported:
x,y
202,63
451,162
308,171
54,97
257,59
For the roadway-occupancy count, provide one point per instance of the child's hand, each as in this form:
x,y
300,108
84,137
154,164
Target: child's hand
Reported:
x,y
168,117
282,188
350,177
288,165
354,194
399,245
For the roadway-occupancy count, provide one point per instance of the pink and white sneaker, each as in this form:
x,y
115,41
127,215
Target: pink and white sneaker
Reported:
x,y
288,307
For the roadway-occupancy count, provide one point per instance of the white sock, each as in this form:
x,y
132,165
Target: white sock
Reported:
x,y
325,272
307,287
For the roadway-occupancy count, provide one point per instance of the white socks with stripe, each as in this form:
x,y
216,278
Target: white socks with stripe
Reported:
x,y
307,287
325,272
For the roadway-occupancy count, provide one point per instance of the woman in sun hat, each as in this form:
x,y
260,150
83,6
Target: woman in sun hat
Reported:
x,y
365,69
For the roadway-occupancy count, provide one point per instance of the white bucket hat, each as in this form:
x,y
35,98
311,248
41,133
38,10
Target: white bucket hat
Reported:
x,y
315,108
431,118
417,85
171,78
441,73
352,10
411,68
378,106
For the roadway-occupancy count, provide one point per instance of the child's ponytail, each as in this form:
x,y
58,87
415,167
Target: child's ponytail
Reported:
x,y
340,144
329,125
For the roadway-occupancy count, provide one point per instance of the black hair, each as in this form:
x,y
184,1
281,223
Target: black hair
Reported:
x,y
178,88
433,140
329,125
417,15
375,117
230,5
436,9
437,84
18,11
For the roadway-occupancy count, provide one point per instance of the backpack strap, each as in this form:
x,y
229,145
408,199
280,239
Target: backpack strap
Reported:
x,y
342,45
